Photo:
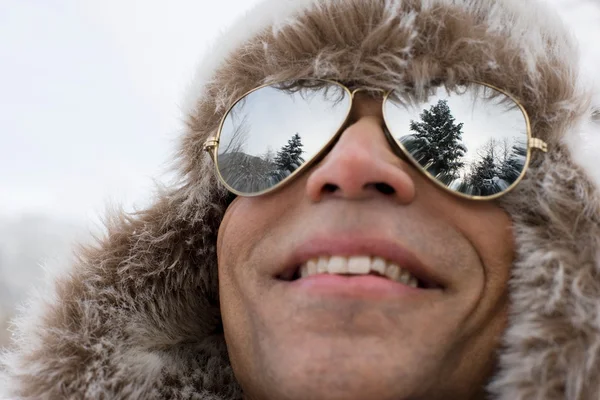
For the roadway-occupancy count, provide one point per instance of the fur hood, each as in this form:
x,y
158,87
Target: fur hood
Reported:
x,y
137,316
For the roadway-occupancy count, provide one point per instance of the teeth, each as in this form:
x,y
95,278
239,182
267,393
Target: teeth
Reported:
x,y
378,265
357,265
311,267
413,282
393,272
304,271
322,265
337,265
404,277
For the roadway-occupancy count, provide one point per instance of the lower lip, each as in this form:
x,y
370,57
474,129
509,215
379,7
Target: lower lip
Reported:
x,y
360,286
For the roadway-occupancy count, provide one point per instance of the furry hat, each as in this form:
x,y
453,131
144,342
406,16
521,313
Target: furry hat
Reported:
x,y
138,315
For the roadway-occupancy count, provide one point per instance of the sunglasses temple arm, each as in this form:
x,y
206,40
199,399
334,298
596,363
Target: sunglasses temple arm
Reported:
x,y
539,144
210,146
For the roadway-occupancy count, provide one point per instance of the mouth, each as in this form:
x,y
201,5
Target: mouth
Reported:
x,y
359,265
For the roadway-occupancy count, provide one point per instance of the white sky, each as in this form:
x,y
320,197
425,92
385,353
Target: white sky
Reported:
x,y
90,93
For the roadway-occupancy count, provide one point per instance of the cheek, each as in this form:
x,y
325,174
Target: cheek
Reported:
x,y
492,236
489,230
247,217
241,225
246,223
233,243
237,226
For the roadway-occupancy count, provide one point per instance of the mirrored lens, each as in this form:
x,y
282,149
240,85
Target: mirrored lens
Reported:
x,y
274,130
472,139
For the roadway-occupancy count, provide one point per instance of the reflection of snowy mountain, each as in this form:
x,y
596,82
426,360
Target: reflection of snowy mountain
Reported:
x,y
26,243
238,156
248,173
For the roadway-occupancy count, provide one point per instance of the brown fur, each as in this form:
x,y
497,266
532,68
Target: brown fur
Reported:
x,y
138,317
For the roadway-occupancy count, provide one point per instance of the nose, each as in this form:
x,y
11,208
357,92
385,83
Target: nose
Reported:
x,y
362,164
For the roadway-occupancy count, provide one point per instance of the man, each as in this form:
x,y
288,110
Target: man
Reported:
x,y
378,200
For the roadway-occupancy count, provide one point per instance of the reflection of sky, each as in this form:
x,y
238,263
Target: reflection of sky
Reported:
x,y
273,117
483,119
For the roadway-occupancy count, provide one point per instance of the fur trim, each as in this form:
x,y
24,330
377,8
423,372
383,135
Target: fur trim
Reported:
x,y
138,315
584,139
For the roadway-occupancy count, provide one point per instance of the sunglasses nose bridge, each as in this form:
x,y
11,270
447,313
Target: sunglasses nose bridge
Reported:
x,y
365,102
354,91
362,107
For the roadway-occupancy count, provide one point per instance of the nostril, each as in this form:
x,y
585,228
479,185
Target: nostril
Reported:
x,y
385,188
330,188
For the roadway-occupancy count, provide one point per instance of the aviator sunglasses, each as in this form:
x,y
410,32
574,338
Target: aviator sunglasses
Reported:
x,y
473,140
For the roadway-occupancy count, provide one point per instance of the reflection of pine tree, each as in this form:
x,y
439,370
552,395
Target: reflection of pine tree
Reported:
x,y
497,168
289,157
439,141
513,165
483,173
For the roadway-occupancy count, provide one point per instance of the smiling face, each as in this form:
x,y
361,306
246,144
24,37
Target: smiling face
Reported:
x,y
355,336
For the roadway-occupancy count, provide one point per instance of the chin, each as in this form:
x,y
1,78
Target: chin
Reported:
x,y
334,369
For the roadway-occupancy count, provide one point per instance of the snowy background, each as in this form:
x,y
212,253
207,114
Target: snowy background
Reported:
x,y
90,96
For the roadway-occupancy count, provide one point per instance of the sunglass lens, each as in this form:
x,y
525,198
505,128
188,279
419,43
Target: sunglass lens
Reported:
x,y
472,140
272,131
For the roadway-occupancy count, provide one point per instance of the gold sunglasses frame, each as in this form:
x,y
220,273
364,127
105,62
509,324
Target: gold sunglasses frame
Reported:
x,y
211,145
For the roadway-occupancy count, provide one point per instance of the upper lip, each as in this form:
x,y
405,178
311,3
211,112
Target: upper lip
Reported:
x,y
390,250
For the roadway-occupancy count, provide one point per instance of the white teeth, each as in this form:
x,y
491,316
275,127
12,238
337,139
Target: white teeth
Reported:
x,y
311,267
392,271
357,265
378,265
322,265
304,271
337,265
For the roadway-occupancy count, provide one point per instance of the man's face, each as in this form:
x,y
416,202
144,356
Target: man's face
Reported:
x,y
363,337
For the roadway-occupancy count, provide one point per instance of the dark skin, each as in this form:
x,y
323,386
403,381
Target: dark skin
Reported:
x,y
289,343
